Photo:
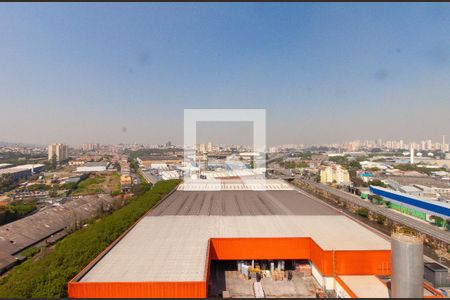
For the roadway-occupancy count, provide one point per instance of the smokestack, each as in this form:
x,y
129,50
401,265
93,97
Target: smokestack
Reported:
x,y
411,158
406,266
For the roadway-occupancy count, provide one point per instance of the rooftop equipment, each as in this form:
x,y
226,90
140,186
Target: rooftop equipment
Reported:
x,y
436,274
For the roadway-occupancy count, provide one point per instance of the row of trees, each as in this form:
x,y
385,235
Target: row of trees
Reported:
x,y
345,162
294,164
47,276
414,167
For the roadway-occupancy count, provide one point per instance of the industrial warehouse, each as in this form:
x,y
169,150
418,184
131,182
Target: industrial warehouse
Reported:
x,y
240,242
418,204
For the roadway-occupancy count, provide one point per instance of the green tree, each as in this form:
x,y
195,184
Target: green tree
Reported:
x,y
363,212
438,221
381,219
139,189
377,199
6,182
354,164
377,182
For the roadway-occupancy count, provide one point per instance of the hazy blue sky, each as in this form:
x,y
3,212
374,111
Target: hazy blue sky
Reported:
x,y
110,73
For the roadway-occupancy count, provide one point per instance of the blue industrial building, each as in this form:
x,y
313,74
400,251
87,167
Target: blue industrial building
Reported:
x,y
429,207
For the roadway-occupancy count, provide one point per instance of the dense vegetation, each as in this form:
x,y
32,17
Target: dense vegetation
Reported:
x,y
17,158
16,210
303,155
30,252
414,167
346,163
39,187
363,212
47,276
294,164
377,182
149,152
139,189
6,183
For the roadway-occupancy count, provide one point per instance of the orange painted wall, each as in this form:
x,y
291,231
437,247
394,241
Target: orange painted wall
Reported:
x,y
259,248
345,262
363,262
323,260
355,262
195,289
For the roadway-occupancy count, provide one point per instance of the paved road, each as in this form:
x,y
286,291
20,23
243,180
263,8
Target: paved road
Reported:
x,y
383,235
408,221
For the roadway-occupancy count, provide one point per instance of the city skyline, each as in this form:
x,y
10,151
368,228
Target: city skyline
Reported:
x,y
324,73
351,144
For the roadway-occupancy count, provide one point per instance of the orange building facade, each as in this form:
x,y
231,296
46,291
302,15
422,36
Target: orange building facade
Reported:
x,y
329,263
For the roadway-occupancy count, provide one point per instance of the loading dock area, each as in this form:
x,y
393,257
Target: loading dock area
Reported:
x,y
293,280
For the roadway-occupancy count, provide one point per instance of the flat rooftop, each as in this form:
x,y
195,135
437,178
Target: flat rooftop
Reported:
x,y
249,184
240,203
20,168
170,243
174,248
366,286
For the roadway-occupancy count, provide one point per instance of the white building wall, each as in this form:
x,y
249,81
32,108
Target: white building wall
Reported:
x,y
340,292
316,274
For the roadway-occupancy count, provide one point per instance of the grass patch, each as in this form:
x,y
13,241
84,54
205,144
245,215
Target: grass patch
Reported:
x,y
48,276
16,210
89,186
30,252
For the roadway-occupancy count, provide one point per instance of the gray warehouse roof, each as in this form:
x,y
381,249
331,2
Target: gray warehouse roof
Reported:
x,y
18,235
240,203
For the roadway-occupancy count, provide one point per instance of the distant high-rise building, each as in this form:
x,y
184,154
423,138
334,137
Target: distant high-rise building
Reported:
x,y
90,147
437,146
210,147
353,146
202,148
59,151
379,143
423,145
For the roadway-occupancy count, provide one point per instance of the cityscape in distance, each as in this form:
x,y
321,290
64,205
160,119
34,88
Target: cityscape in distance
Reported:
x,y
224,150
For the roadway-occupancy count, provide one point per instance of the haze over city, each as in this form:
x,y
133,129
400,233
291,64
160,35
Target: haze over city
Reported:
x,y
124,72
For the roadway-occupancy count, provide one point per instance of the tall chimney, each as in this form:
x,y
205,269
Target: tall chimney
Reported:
x,y
411,157
406,266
